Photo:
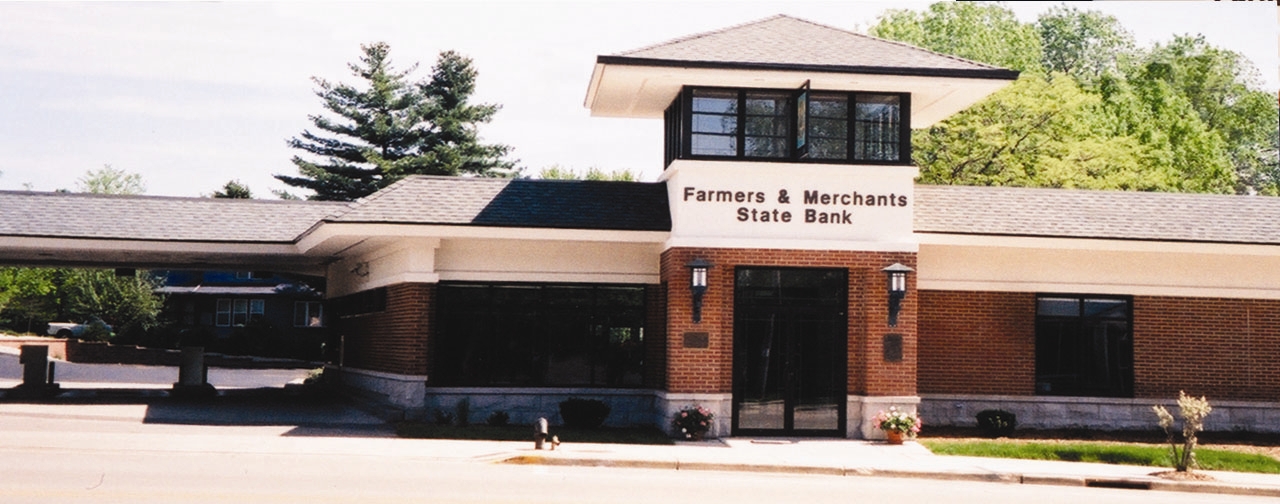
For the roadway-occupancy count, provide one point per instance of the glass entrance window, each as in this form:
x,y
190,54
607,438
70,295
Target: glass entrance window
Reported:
x,y
790,343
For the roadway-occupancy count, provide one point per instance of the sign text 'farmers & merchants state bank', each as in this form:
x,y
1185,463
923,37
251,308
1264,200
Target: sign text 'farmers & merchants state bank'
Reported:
x,y
811,206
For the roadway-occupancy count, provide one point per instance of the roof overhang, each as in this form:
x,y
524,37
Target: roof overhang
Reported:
x,y
154,254
336,240
643,88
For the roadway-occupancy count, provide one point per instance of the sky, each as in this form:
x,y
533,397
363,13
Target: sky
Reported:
x,y
192,95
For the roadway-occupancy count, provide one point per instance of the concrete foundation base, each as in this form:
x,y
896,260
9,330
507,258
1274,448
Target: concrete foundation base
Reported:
x,y
1102,413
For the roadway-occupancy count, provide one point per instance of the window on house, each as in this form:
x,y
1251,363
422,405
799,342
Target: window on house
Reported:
x,y
238,312
838,126
308,314
540,335
877,128
1084,346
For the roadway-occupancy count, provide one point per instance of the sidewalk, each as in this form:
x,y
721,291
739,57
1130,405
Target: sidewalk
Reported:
x,y
870,458
274,424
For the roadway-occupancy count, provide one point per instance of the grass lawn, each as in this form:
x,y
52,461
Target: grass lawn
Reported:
x,y
1155,455
649,435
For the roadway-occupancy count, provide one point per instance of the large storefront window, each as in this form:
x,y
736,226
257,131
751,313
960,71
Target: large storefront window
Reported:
x,y
540,335
1084,346
758,124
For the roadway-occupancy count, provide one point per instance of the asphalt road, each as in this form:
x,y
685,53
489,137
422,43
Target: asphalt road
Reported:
x,y
131,453
73,375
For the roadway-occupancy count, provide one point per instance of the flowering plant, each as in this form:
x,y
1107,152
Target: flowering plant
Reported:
x,y
898,421
693,421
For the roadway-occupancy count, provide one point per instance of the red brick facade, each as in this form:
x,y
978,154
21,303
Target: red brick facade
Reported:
x,y
984,343
1225,349
394,340
710,370
977,342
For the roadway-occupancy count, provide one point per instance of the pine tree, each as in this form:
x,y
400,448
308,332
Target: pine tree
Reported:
x,y
393,127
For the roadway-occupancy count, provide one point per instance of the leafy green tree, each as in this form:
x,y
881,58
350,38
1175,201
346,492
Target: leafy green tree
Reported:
x,y
1131,125
1224,90
234,190
988,33
1082,44
128,303
25,297
391,126
557,172
108,180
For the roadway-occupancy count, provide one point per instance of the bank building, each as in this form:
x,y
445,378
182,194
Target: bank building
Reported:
x,y
785,270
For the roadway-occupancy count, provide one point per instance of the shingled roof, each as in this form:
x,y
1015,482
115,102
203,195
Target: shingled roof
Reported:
x,y
74,215
574,204
1010,211
785,42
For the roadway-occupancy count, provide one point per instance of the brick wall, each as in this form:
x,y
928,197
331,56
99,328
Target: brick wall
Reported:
x,y
977,342
984,343
1226,349
710,370
394,340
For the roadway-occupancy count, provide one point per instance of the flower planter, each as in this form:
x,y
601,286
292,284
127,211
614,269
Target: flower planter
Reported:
x,y
894,437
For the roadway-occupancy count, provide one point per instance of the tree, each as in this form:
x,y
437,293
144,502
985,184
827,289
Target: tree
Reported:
x,y
1224,90
234,190
391,127
109,180
1082,44
1133,128
988,33
557,172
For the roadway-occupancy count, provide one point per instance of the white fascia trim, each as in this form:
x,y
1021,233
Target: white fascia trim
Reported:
x,y
784,244
402,278
552,276
1119,289
92,244
356,230
1095,244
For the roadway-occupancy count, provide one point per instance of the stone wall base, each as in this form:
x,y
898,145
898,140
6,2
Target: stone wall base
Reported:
x,y
405,392
862,410
523,406
1100,413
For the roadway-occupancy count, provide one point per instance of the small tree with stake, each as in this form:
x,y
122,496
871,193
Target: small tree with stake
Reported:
x,y
1193,412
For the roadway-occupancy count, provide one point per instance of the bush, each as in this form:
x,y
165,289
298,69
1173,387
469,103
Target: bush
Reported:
x,y
997,423
498,419
583,413
443,417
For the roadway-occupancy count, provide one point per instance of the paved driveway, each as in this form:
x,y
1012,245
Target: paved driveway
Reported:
x,y
76,376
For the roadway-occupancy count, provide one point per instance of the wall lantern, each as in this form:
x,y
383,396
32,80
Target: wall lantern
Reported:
x,y
698,284
897,289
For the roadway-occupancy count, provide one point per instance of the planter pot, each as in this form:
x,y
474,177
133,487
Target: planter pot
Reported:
x,y
894,437
696,435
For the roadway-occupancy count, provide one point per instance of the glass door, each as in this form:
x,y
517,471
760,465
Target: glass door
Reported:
x,y
789,351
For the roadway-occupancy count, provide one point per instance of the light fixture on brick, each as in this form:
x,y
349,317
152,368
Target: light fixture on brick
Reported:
x,y
698,284
897,273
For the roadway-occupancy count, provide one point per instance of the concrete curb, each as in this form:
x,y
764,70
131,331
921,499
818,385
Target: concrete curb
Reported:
x,y
1151,483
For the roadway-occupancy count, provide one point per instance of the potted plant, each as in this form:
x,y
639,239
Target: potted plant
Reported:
x,y
897,425
694,422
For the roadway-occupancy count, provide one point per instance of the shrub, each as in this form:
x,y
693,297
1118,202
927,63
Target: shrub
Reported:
x,y
498,419
583,413
1193,412
693,421
443,417
462,412
997,423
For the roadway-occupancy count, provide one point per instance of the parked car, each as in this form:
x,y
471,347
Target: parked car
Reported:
x,y
75,330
